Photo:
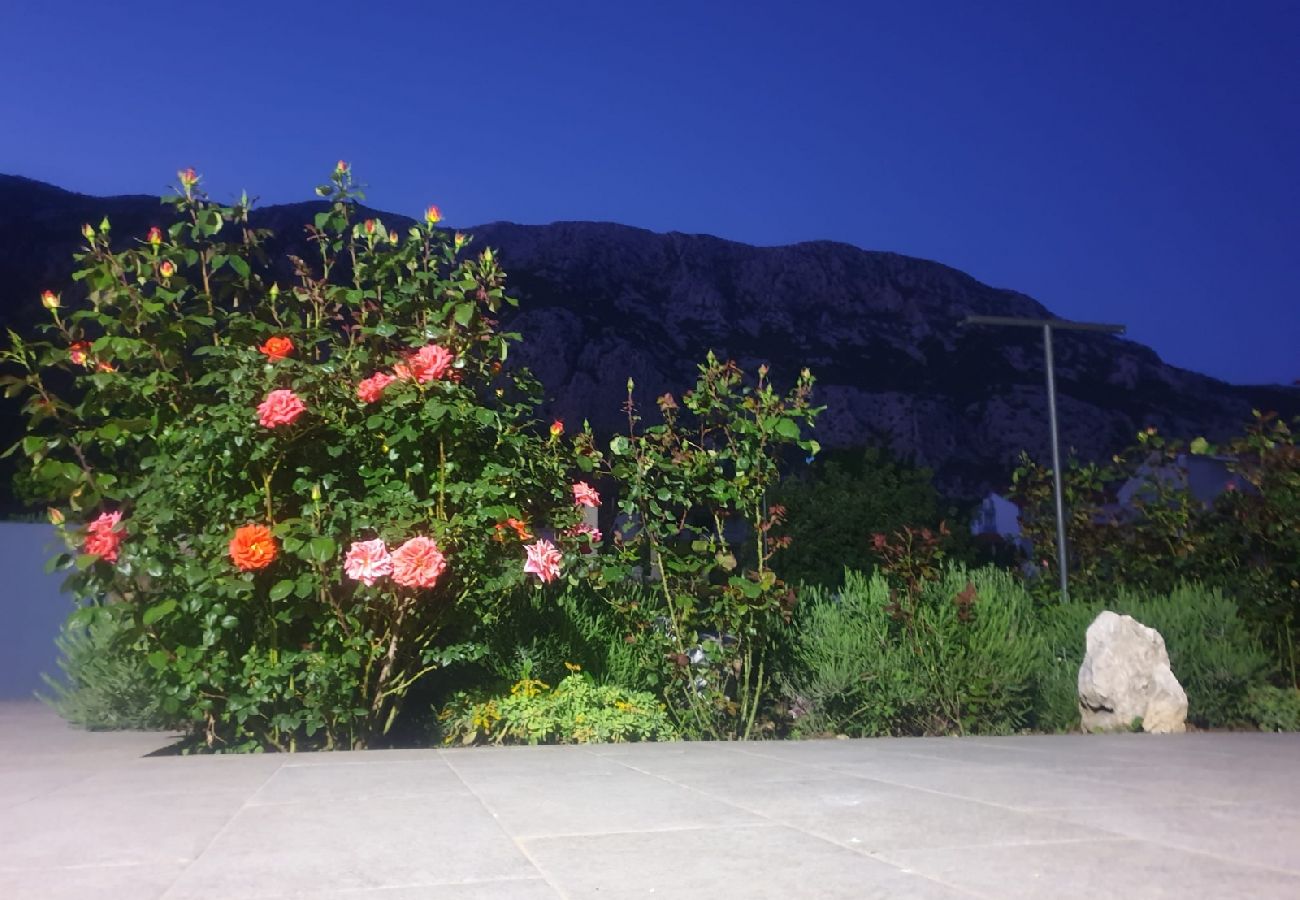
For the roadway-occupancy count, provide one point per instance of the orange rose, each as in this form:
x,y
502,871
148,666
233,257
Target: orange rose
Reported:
x,y
276,348
253,547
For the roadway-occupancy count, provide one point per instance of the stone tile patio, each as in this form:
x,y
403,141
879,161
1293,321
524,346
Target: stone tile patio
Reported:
x,y
90,817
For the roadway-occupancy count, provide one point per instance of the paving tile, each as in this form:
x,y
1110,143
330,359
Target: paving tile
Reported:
x,y
76,830
599,801
1259,782
20,784
1259,835
504,889
753,862
872,816
703,770
309,848
178,774
1024,788
359,780
89,882
1092,869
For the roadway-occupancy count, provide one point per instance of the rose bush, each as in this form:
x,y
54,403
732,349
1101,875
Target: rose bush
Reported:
x,y
304,498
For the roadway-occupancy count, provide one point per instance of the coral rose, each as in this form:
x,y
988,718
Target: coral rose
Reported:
x,y
155,236
79,352
418,563
49,300
104,535
167,269
585,495
557,429
372,388
368,561
280,408
433,215
253,547
429,363
519,527
543,560
276,348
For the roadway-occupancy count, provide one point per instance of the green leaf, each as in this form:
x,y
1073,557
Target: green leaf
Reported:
x,y
281,589
158,611
464,312
788,428
158,659
322,549
239,265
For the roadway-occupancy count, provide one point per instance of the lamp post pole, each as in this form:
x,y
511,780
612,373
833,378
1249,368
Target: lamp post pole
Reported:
x,y
1047,326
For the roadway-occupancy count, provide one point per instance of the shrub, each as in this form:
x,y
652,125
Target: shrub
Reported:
x,y
545,635
575,711
1247,542
698,532
1274,708
310,498
107,684
961,655
834,505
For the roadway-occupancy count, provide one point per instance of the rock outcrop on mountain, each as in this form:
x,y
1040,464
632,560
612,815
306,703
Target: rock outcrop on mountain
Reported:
x,y
601,302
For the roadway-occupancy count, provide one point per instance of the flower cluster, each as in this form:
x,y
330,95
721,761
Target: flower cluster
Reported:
x,y
418,563
429,363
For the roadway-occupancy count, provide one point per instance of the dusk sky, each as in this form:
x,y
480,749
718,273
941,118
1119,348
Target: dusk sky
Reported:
x,y
1121,162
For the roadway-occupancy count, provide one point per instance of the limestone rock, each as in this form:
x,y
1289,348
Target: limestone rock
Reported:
x,y
1126,676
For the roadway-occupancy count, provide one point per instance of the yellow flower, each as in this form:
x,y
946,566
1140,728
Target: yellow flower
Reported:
x,y
573,667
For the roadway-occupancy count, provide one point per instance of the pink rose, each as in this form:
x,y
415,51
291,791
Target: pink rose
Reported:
x,y
372,388
418,563
543,560
429,363
585,495
280,408
368,561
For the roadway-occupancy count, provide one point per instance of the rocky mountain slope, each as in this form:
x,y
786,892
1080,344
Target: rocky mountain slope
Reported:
x,y
602,302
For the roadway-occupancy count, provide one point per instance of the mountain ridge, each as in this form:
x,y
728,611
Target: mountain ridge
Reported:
x,y
601,301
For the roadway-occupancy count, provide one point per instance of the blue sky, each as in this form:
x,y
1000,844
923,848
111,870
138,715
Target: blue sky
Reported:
x,y
1135,163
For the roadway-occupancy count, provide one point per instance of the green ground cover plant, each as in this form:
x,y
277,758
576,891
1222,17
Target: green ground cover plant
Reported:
x,y
577,710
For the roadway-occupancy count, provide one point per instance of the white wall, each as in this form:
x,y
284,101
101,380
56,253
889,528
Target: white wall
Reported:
x,y
31,608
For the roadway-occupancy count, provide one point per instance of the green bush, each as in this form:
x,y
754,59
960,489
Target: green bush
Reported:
x,y
107,685
1212,651
1274,708
835,505
575,711
234,456
961,656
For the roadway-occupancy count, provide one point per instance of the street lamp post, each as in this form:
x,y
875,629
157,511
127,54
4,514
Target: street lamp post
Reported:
x,y
1047,326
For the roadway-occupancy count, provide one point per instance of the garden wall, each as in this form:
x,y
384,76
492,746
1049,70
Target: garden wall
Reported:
x,y
31,608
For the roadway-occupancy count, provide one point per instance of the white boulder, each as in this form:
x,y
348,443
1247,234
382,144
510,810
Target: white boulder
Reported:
x,y
1125,676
